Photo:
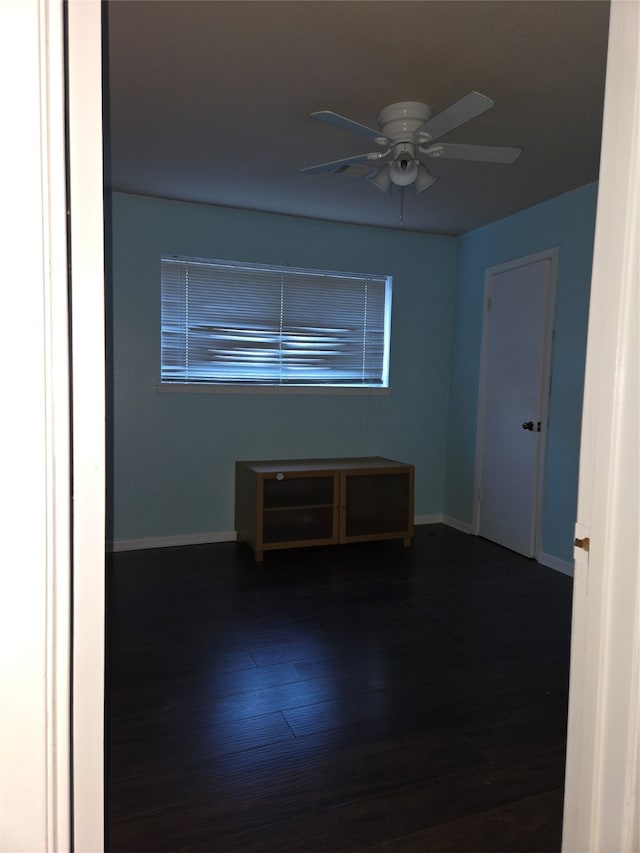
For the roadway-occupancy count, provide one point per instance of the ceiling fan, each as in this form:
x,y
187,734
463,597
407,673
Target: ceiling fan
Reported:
x,y
407,130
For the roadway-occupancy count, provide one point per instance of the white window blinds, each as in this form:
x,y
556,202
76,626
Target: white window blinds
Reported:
x,y
231,323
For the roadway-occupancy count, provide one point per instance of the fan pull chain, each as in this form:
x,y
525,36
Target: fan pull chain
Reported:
x,y
401,205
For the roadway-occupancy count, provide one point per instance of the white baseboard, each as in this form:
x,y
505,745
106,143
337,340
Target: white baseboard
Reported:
x,y
427,519
556,563
230,536
462,526
443,519
144,543
171,541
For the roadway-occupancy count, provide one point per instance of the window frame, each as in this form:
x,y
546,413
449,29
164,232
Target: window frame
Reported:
x,y
287,386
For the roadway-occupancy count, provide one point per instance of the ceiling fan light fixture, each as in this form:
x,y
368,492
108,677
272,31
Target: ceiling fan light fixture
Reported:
x,y
403,171
383,179
404,168
425,179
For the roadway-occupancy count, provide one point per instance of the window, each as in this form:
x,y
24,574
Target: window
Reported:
x,y
244,324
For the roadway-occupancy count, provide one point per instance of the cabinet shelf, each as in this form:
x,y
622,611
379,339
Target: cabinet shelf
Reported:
x,y
289,503
295,507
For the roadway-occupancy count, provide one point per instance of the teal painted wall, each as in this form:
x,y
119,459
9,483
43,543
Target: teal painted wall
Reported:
x,y
568,222
171,456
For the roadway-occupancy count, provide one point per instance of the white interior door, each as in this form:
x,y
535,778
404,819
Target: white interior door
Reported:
x,y
514,385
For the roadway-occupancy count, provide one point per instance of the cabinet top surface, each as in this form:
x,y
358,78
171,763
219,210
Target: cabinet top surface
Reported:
x,y
269,466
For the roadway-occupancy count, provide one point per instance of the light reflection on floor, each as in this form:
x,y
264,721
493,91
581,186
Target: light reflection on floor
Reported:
x,y
293,693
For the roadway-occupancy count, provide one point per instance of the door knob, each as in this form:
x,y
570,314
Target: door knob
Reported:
x,y
528,425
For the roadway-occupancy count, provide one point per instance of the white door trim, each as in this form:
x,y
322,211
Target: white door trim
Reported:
x,y
550,255
35,618
602,792
88,389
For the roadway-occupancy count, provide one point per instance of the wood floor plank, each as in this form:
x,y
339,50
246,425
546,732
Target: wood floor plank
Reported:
x,y
288,780
177,746
349,698
347,826
532,825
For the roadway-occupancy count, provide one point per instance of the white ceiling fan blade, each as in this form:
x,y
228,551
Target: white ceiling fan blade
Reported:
x,y
340,165
479,153
460,112
350,125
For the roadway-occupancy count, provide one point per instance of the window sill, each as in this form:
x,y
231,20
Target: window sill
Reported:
x,y
201,388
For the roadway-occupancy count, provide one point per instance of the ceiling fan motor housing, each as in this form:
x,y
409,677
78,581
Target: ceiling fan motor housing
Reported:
x,y
398,122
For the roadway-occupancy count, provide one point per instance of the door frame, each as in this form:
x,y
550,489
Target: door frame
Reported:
x,y
550,255
602,784
593,731
52,625
35,612
88,426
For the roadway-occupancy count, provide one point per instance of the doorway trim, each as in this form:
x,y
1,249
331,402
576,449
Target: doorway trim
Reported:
x,y
550,255
88,383
602,785
35,638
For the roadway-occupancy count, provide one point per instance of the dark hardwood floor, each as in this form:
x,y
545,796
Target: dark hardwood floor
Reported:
x,y
362,697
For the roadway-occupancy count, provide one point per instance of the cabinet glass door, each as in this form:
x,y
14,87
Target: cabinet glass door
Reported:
x,y
299,509
377,505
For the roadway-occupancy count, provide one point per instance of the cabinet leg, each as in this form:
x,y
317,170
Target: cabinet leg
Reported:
x,y
406,541
258,555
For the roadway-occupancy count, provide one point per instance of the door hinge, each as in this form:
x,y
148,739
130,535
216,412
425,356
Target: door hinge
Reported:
x,y
582,543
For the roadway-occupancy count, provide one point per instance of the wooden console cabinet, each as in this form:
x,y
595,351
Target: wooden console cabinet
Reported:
x,y
289,503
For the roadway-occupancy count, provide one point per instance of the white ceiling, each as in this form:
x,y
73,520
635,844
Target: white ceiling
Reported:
x,y
210,101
